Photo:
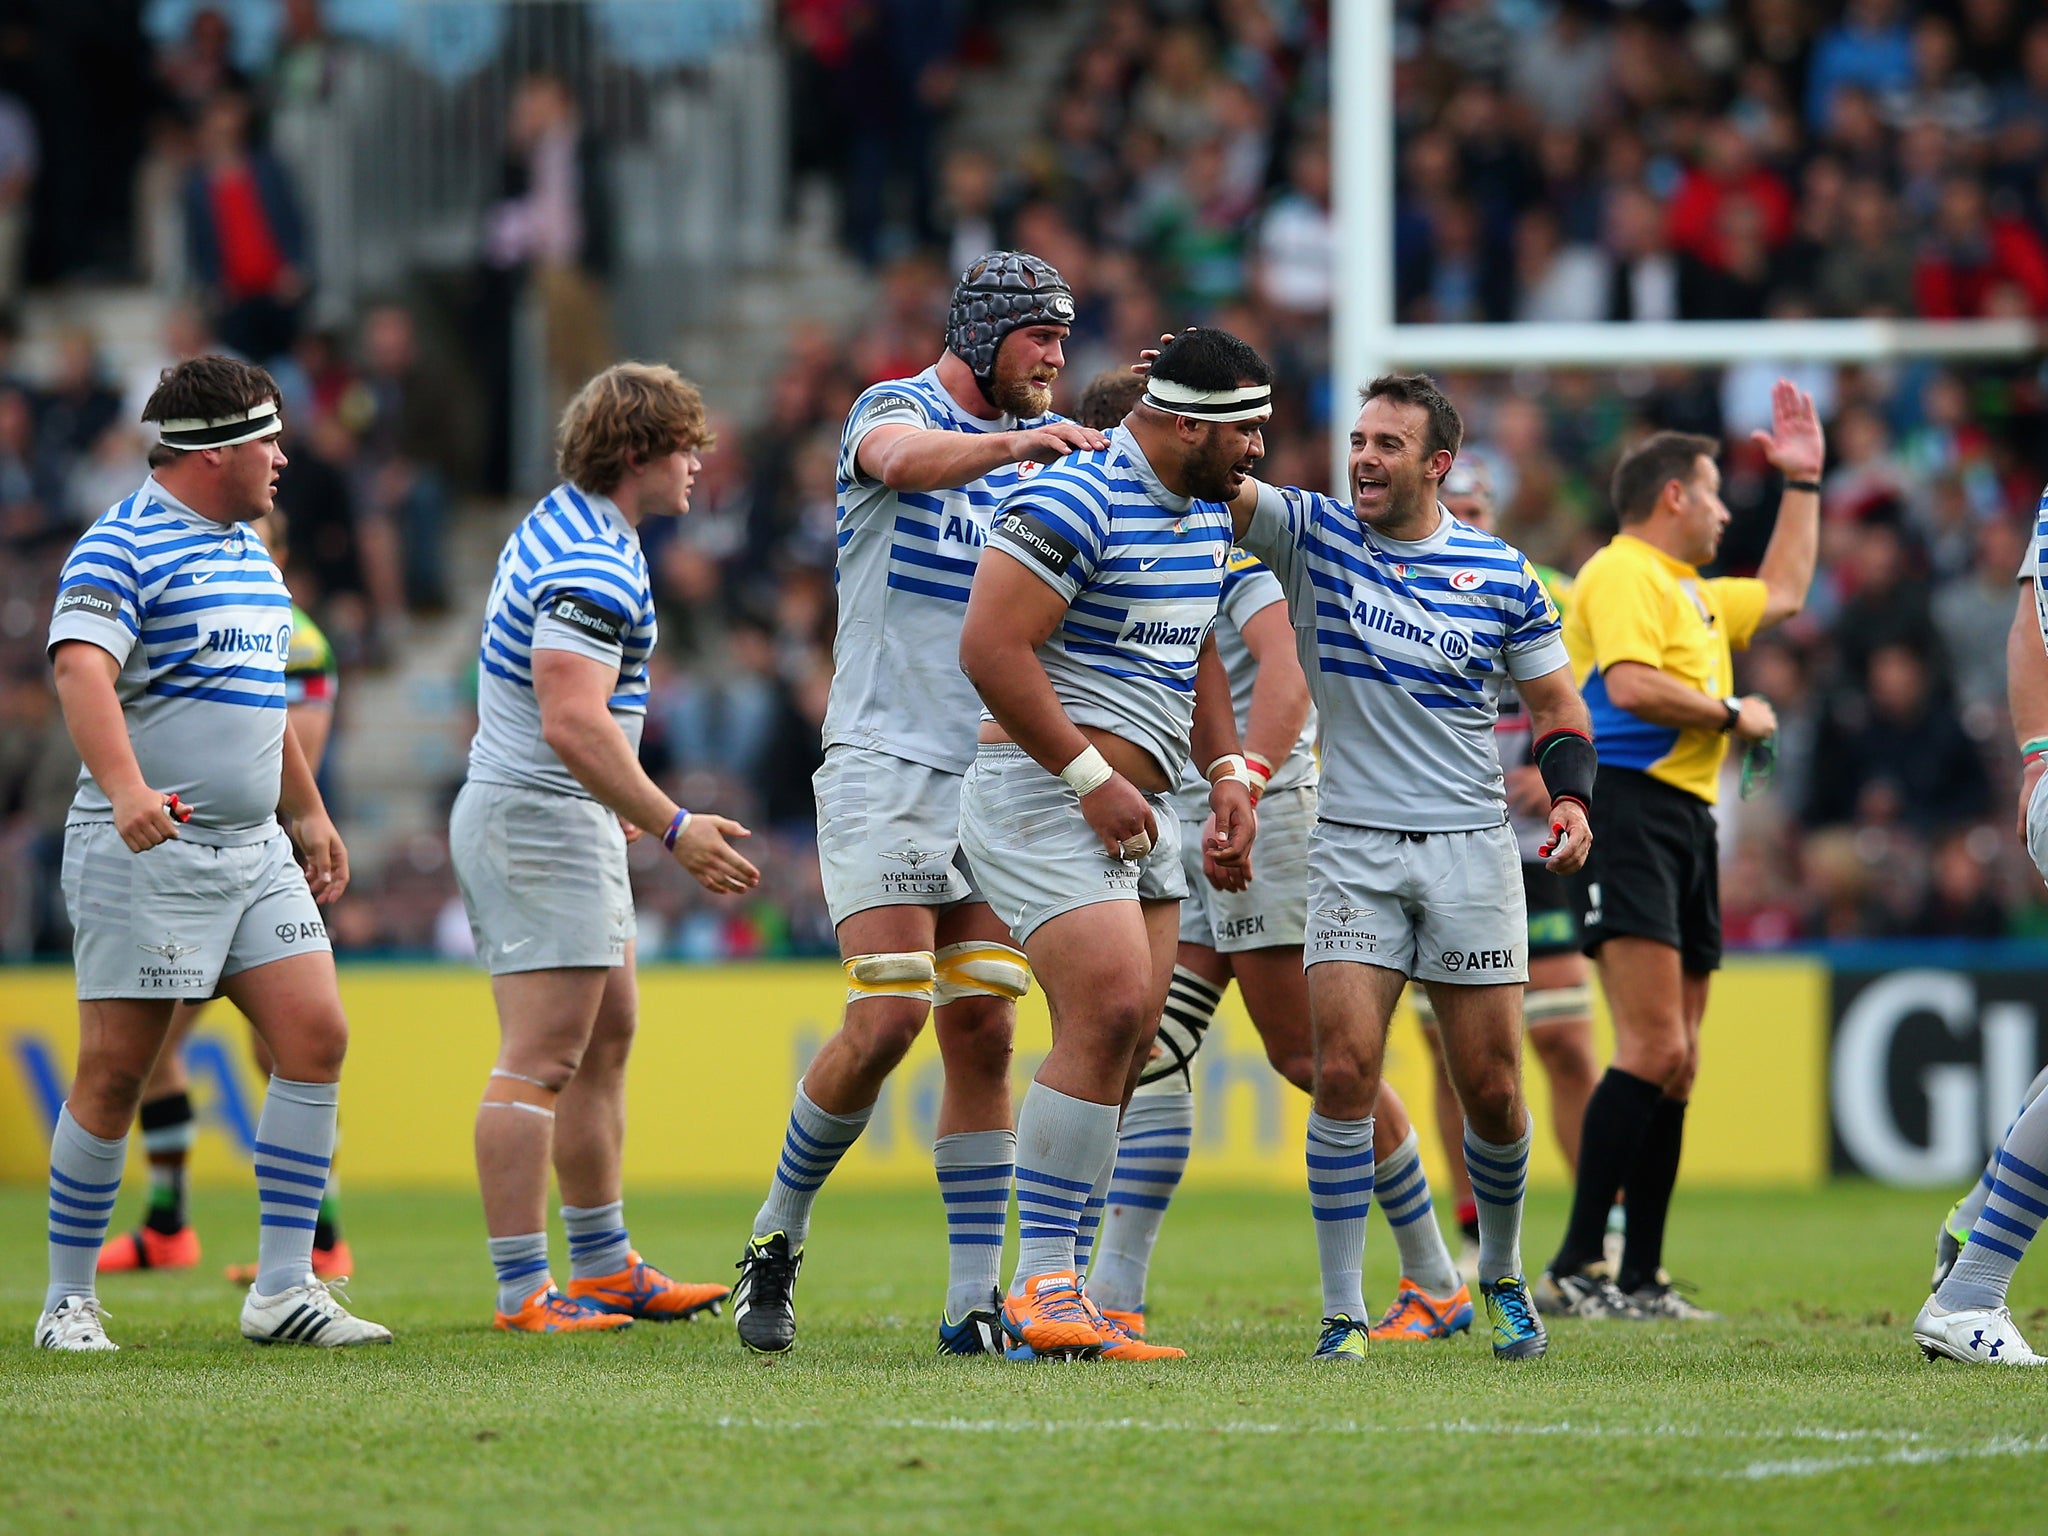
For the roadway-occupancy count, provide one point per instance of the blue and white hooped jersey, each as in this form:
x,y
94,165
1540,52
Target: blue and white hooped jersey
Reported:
x,y
570,578
2035,567
1406,646
197,615
1142,571
905,566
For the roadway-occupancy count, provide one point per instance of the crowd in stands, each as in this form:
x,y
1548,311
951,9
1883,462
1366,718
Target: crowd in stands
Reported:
x,y
1558,160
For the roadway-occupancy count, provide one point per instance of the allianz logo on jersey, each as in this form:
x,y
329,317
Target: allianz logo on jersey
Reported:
x,y
1151,633
1373,619
234,639
964,530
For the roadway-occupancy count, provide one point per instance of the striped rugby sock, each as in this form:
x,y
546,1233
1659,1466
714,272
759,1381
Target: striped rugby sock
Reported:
x,y
1091,1215
975,1169
521,1263
811,1149
598,1244
1500,1176
1151,1154
85,1176
1964,1216
1402,1188
294,1145
2011,1216
1340,1176
1063,1146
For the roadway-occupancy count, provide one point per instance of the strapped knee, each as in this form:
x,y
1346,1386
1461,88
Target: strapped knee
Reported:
x,y
908,973
1182,1029
515,1090
1557,1005
979,968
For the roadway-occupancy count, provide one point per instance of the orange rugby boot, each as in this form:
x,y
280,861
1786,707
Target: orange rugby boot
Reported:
x,y
147,1248
1052,1319
641,1290
547,1310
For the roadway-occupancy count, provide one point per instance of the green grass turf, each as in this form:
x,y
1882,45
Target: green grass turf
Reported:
x,y
1809,1408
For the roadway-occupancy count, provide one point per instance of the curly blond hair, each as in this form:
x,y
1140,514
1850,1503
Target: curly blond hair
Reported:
x,y
630,411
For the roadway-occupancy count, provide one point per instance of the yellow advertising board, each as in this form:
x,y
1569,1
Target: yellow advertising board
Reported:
x,y
721,1048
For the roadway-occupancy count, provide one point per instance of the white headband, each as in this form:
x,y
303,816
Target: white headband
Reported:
x,y
260,420
1240,404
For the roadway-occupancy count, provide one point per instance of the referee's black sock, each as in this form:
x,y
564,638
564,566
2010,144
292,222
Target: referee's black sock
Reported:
x,y
1617,1118
1651,1179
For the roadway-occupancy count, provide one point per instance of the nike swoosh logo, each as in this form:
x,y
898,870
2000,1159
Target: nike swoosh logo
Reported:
x,y
508,948
200,581
1146,565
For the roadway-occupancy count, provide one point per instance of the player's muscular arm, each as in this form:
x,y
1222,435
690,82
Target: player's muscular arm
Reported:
x,y
2026,686
907,458
1280,691
1553,704
85,677
574,693
1010,614
1662,699
1227,837
1242,506
1796,448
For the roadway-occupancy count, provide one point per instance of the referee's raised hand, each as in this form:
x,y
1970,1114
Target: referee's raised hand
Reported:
x,y
1794,445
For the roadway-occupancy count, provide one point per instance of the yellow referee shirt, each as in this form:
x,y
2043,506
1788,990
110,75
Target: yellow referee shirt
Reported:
x,y
1633,602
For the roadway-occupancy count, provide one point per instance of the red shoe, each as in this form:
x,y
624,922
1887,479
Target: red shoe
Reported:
x,y
335,1263
147,1248
641,1290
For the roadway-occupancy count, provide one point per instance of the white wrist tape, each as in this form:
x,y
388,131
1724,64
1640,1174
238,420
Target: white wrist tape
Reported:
x,y
1235,770
1088,772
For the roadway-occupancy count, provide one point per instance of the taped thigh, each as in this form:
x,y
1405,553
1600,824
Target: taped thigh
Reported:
x,y
904,973
1557,1005
516,1091
979,968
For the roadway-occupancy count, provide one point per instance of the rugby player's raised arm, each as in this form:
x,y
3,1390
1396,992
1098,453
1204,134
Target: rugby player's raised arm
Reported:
x,y
907,458
1798,451
85,676
1554,705
574,694
2026,687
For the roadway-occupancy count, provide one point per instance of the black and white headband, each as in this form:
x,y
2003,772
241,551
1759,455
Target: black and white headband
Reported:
x,y
1240,404
260,420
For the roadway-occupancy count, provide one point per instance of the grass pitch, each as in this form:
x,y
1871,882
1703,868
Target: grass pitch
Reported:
x,y
1808,1409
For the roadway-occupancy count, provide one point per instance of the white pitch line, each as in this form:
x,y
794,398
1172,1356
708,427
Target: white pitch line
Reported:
x,y
1903,1438
1910,1456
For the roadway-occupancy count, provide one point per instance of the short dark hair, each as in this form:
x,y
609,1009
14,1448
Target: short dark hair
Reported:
x,y
203,388
1644,471
1203,357
1109,397
1446,427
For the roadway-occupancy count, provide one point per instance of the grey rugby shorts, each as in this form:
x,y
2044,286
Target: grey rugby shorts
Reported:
x,y
888,833
1437,906
543,878
1035,854
172,921
1273,911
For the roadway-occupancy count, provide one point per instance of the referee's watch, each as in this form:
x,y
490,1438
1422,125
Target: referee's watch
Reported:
x,y
1734,708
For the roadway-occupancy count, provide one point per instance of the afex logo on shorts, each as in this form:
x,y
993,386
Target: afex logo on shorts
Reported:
x,y
291,933
1479,960
1242,927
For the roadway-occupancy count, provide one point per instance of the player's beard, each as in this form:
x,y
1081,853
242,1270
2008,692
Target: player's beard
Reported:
x,y
1209,469
1023,397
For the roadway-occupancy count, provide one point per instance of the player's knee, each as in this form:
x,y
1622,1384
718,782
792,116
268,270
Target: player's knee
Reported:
x,y
1293,1062
881,1030
976,1034
1345,1078
107,1093
1566,1054
1490,1096
313,1049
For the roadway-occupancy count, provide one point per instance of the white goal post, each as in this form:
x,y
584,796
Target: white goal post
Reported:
x,y
1365,340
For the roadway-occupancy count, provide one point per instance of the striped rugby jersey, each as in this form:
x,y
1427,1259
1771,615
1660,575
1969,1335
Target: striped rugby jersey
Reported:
x,y
1142,572
570,578
2034,564
1248,588
1406,645
198,616
905,565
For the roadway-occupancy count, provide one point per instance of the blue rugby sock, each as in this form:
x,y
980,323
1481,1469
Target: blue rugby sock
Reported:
x,y
1340,1179
85,1176
294,1145
598,1244
811,1149
975,1169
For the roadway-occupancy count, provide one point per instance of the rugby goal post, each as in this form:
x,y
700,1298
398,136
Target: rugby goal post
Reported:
x,y
1366,340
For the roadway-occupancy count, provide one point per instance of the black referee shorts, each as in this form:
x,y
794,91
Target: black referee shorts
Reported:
x,y
1655,869
1553,911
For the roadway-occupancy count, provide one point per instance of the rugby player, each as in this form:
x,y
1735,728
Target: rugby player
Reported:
x,y
1087,639
538,836
1410,622
1988,1233
922,463
169,641
166,1239
1557,1008
1651,642
1247,921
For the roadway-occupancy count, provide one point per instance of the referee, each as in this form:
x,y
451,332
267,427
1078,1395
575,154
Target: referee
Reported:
x,y
1650,642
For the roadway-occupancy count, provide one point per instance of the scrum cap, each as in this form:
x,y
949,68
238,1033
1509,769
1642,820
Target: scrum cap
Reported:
x,y
1002,292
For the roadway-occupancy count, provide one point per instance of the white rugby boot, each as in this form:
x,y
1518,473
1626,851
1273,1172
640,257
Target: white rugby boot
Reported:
x,y
1973,1335
74,1324
307,1314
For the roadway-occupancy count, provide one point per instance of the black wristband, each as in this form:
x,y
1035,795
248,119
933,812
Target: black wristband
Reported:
x,y
1803,485
1568,763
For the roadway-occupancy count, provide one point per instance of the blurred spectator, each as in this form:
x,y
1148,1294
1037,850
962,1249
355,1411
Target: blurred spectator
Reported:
x,y
1972,255
20,155
1869,47
408,449
1642,274
1895,753
1297,242
245,238
79,404
1870,270
1962,894
1974,616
